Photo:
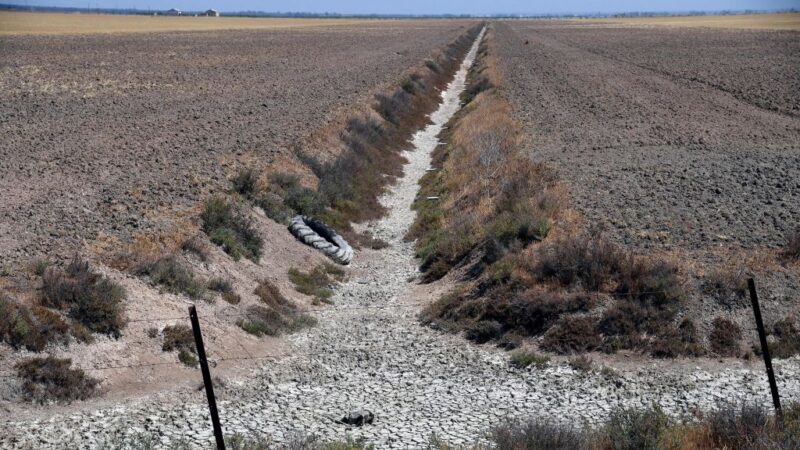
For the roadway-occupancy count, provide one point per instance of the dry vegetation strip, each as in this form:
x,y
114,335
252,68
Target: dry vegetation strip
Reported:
x,y
21,23
527,268
371,143
783,21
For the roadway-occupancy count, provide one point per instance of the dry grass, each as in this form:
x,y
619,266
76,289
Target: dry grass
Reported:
x,y
51,379
20,23
783,21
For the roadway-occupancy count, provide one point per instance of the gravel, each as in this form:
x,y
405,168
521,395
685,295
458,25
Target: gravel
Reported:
x,y
369,352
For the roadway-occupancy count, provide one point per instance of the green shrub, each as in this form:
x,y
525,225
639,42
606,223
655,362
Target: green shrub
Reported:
x,y
175,277
228,226
51,379
524,358
274,207
187,357
90,298
318,282
220,285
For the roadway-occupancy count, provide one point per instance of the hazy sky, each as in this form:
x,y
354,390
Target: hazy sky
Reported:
x,y
432,6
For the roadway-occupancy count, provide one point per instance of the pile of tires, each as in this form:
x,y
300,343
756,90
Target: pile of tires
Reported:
x,y
322,237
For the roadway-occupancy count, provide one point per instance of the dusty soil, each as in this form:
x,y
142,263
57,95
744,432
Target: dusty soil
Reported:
x,y
675,139
369,352
109,134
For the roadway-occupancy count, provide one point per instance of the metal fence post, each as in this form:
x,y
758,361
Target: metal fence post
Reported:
x,y
201,355
762,336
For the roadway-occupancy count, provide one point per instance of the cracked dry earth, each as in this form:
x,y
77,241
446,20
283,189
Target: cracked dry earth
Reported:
x,y
369,351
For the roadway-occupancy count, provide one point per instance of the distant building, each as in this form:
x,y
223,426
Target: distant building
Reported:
x,y
211,13
173,12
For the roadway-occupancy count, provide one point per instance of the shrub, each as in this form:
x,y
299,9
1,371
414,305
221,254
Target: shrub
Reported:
x,y
740,426
52,379
243,442
587,259
274,207
632,429
581,363
724,337
524,358
671,343
196,246
175,277
484,331
572,335
245,182
178,337
270,295
187,357
728,286
787,339
38,266
791,249
220,285
228,226
90,298
275,320
318,282
538,434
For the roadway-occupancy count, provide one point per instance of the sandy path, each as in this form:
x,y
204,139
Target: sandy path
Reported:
x,y
370,352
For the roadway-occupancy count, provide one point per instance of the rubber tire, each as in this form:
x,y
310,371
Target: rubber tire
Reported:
x,y
312,232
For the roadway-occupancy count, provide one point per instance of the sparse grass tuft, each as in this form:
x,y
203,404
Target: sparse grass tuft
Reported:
x,y
225,288
524,358
175,277
318,282
245,182
90,298
278,316
52,379
228,225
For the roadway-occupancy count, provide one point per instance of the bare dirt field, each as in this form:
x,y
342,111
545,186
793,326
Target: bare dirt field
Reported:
x,y
782,21
23,23
106,134
683,139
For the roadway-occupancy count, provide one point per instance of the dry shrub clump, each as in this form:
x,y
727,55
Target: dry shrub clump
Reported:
x,y
228,225
724,338
51,379
88,297
792,248
277,315
181,339
175,277
728,427
318,282
22,328
787,339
